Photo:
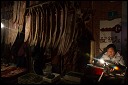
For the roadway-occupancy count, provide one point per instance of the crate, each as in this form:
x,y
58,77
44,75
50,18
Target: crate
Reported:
x,y
56,78
74,77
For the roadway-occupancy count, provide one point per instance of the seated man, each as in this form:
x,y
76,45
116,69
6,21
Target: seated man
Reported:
x,y
112,55
114,58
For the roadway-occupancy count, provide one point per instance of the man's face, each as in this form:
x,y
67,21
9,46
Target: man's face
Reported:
x,y
110,52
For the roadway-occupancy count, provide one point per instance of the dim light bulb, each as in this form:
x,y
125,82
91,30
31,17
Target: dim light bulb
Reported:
x,y
116,68
2,25
102,61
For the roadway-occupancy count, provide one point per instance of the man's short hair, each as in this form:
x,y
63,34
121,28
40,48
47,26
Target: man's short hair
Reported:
x,y
111,46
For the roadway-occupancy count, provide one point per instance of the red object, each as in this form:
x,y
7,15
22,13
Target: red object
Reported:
x,y
97,71
12,71
93,70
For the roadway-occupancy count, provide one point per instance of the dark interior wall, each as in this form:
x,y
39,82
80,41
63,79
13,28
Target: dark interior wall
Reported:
x,y
124,30
101,9
102,14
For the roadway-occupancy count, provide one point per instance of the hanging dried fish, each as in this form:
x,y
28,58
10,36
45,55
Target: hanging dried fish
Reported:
x,y
31,26
61,27
58,27
9,31
27,26
6,34
63,35
19,20
62,23
21,14
31,21
49,27
18,13
68,28
45,27
53,24
70,56
37,27
34,27
55,31
48,39
15,9
72,31
14,32
14,29
42,26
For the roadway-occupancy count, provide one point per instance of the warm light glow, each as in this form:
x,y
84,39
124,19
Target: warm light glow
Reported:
x,y
2,25
116,68
102,61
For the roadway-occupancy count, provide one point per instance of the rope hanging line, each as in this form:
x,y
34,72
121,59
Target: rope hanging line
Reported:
x,y
41,4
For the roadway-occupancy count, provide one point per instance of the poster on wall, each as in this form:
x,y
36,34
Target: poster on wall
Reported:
x,y
110,32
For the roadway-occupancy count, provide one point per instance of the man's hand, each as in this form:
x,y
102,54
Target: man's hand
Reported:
x,y
111,70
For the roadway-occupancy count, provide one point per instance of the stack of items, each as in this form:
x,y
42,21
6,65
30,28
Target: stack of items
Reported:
x,y
30,78
74,77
